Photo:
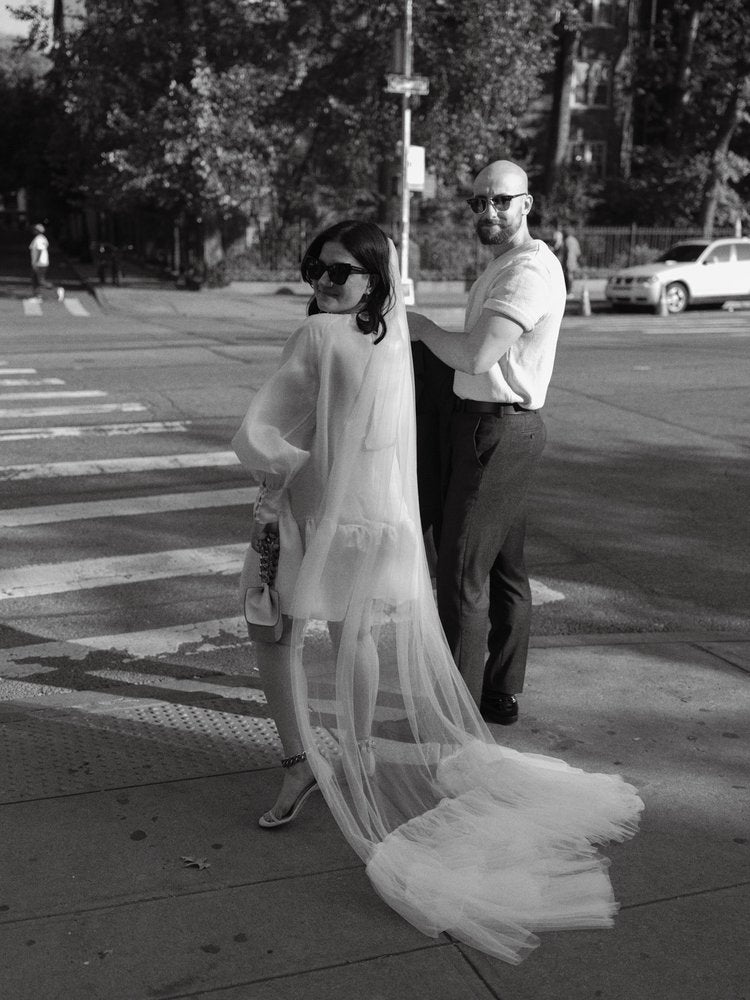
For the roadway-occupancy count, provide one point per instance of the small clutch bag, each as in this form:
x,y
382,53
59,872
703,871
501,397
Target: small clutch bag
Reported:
x,y
262,610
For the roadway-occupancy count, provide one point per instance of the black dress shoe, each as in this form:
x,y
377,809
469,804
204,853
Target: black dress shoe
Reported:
x,y
502,709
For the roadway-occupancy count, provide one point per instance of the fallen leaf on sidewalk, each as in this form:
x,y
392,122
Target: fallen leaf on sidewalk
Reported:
x,y
199,863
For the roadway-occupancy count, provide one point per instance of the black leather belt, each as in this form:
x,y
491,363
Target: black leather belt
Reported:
x,y
480,406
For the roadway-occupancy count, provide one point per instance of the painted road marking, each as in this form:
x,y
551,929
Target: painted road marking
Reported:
x,y
114,571
95,430
75,307
193,639
109,466
187,640
58,394
190,639
23,517
17,371
64,411
8,382
542,594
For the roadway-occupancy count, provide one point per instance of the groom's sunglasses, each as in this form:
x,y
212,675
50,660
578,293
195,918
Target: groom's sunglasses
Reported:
x,y
313,270
478,204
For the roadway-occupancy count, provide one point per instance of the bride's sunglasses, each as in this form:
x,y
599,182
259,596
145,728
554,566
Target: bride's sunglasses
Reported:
x,y
313,270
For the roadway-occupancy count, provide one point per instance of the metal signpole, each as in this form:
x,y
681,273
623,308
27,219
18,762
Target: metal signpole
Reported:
x,y
406,142
405,84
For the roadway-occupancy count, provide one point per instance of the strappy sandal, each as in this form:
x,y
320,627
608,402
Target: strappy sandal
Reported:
x,y
270,819
367,755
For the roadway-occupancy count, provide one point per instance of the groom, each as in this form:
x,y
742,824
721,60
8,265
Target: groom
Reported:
x,y
503,363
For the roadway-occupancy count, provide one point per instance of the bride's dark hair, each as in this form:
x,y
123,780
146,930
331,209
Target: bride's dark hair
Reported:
x,y
368,244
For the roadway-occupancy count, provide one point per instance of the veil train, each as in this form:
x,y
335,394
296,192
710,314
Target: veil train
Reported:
x,y
458,835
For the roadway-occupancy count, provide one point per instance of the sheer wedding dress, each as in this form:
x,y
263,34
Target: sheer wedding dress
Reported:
x,y
458,834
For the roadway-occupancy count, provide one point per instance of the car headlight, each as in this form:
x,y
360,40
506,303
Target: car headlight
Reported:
x,y
652,279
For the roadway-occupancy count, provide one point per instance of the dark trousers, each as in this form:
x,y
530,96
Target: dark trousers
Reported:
x,y
483,592
434,399
39,278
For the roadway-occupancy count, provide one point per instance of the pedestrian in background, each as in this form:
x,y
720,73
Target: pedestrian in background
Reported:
x,y
39,250
556,242
503,363
109,262
570,258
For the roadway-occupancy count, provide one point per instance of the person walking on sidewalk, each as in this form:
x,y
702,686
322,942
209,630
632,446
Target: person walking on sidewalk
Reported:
x,y
39,250
503,361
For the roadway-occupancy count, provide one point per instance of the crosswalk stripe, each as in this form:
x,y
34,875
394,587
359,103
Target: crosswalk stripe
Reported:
x,y
17,371
109,466
114,571
31,381
23,517
75,307
28,413
96,430
542,594
192,639
56,394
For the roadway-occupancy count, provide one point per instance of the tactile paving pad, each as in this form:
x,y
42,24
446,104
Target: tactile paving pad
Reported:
x,y
64,751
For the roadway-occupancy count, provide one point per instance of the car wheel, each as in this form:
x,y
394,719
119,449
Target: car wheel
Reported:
x,y
677,297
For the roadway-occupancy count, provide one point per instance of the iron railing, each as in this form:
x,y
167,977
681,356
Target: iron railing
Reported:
x,y
453,253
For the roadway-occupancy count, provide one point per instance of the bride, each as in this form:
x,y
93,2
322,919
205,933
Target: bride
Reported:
x,y
457,834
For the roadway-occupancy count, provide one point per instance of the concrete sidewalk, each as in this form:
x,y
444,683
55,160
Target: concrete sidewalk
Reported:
x,y
133,867
443,302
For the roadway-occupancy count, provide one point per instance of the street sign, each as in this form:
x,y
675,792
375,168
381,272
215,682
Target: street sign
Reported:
x,y
415,168
398,84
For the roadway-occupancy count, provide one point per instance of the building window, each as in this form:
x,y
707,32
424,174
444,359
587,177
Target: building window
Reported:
x,y
591,84
588,155
598,11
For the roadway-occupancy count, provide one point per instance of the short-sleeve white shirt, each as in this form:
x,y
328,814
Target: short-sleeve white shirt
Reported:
x,y
526,284
41,245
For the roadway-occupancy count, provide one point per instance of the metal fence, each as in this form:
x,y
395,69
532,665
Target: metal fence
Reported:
x,y
452,253
606,249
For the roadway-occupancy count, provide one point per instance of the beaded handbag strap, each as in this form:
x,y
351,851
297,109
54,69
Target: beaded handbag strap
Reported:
x,y
296,759
269,558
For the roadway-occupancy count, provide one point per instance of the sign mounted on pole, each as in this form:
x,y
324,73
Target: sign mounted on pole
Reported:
x,y
415,168
398,84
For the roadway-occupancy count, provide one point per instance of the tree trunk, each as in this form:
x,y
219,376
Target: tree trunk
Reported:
x,y
716,179
688,35
213,244
624,90
58,21
560,117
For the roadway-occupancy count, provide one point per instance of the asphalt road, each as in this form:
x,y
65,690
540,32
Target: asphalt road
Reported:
x,y
110,423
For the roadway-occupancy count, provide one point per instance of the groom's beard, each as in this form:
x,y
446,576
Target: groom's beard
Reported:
x,y
493,234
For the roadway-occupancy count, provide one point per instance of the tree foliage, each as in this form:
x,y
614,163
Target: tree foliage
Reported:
x,y
160,106
216,105
25,122
212,107
694,86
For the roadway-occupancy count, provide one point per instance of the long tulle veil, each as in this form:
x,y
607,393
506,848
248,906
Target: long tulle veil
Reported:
x,y
457,834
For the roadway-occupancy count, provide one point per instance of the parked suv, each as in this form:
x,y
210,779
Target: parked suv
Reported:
x,y
691,272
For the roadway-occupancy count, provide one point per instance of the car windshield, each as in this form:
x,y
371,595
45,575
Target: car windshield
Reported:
x,y
683,251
